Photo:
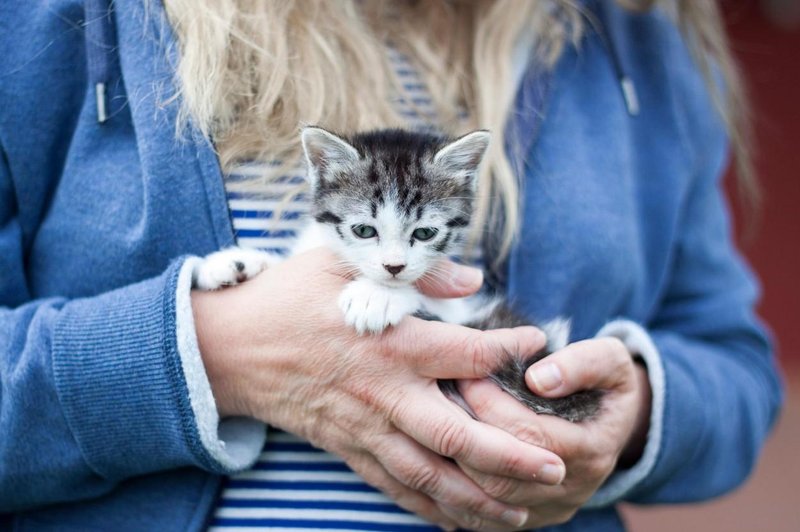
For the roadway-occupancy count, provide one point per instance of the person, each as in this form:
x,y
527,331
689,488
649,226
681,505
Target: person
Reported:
x,y
129,129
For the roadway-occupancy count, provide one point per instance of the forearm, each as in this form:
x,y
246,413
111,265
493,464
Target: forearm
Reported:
x,y
712,405
218,336
93,392
721,400
632,452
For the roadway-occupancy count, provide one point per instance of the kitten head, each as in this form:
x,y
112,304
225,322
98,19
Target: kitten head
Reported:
x,y
394,202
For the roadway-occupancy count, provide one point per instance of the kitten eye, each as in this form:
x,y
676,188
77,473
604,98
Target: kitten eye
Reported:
x,y
364,231
424,233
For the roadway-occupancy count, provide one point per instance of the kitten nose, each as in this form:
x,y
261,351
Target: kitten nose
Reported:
x,y
394,269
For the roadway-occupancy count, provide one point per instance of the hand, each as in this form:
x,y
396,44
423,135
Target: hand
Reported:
x,y
590,449
276,348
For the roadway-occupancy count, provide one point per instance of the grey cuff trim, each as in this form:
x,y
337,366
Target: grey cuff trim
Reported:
x,y
236,442
638,341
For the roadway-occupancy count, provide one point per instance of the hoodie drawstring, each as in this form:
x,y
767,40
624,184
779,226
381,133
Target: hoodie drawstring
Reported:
x,y
604,30
100,50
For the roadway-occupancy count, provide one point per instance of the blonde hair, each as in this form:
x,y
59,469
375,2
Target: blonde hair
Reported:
x,y
252,71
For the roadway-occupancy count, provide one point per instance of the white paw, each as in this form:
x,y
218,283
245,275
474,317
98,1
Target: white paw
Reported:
x,y
370,307
230,267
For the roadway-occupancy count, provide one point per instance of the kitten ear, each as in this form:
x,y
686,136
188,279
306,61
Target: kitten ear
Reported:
x,y
324,150
462,157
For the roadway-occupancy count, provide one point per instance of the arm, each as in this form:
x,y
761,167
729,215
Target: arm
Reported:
x,y
722,391
711,394
373,400
715,388
93,391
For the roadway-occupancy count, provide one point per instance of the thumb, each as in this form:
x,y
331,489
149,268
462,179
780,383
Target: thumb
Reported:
x,y
601,363
448,279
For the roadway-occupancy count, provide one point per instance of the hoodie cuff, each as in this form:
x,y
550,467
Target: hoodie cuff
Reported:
x,y
126,391
233,442
638,341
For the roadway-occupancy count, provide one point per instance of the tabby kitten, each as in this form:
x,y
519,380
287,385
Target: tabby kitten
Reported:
x,y
391,203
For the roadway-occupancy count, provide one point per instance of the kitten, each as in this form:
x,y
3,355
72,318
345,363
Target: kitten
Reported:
x,y
392,203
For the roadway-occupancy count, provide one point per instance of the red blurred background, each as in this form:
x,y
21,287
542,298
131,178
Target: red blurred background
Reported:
x,y
765,35
770,58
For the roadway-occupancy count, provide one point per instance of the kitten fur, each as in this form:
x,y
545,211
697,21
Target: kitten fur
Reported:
x,y
392,203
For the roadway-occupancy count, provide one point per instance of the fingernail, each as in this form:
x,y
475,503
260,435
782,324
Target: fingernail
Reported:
x,y
466,277
515,517
546,377
448,526
551,474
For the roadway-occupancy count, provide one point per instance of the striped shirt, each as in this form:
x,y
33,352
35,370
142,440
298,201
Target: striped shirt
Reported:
x,y
295,486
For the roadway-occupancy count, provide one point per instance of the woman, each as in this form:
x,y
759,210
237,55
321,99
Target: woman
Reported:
x,y
126,396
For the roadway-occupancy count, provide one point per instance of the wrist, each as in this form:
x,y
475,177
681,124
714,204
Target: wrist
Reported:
x,y
216,339
634,448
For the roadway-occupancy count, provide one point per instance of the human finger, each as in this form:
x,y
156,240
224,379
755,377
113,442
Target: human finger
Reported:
x,y
495,407
474,522
448,279
444,428
447,351
588,450
602,363
441,480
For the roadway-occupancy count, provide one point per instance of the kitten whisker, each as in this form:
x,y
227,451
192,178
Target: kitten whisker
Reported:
x,y
344,268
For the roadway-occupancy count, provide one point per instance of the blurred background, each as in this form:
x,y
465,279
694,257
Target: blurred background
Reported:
x,y
765,35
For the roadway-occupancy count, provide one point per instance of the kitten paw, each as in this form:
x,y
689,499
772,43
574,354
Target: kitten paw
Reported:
x,y
370,307
230,267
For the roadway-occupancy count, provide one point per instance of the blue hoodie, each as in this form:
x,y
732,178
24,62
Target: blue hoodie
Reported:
x,y
106,418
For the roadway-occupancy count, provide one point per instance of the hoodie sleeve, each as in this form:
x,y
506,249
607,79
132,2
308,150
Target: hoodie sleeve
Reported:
x,y
722,388
719,389
97,390
716,387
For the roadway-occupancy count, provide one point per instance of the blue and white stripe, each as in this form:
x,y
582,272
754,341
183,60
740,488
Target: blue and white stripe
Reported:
x,y
295,486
